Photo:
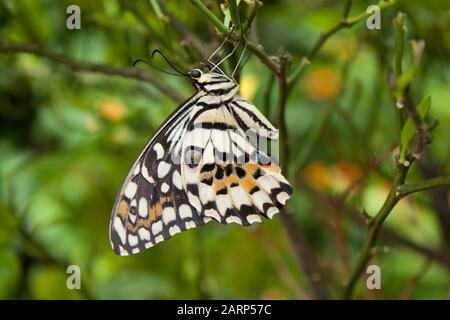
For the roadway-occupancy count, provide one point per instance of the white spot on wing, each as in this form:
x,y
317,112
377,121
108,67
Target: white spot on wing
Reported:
x,y
156,227
144,234
130,190
143,207
123,252
206,193
185,211
282,197
259,198
252,218
176,179
148,245
168,215
212,213
174,230
267,183
223,203
189,225
195,202
159,150
132,240
159,238
239,197
163,169
234,219
271,212
165,187
120,229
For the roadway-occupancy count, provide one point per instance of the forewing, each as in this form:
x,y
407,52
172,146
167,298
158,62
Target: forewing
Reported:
x,y
152,205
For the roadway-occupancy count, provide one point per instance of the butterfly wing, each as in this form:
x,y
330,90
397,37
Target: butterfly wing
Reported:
x,y
152,205
199,166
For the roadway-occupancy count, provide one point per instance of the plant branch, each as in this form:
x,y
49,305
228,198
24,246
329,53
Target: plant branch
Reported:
x,y
399,27
406,189
257,50
130,73
374,228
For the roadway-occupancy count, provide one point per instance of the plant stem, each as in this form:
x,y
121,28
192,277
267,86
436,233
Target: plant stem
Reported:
x,y
374,228
253,48
211,17
406,189
234,12
399,27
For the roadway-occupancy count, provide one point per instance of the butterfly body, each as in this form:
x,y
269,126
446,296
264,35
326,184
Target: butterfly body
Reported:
x,y
200,166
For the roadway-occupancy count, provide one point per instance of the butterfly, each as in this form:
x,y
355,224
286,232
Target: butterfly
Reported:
x,y
200,166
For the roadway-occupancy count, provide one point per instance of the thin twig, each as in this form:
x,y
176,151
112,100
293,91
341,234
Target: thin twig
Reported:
x,y
373,165
344,23
130,73
283,271
406,189
304,254
412,284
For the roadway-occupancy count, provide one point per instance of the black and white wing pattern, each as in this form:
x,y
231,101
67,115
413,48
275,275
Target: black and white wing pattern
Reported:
x,y
151,205
200,166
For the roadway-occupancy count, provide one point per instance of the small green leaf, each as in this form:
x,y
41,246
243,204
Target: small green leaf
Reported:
x,y
409,128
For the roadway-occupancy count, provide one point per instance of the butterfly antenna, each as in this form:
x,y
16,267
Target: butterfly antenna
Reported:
x,y
227,39
240,59
226,57
168,62
211,65
135,62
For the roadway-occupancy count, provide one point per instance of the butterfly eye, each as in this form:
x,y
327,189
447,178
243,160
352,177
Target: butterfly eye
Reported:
x,y
196,73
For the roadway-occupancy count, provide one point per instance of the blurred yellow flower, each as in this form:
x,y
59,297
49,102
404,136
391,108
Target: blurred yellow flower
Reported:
x,y
112,110
322,84
344,48
248,85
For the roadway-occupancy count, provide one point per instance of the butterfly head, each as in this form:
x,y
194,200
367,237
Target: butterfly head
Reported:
x,y
213,82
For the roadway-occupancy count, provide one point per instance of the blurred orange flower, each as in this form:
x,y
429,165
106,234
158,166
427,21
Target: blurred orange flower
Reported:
x,y
448,199
112,110
336,177
347,171
318,175
323,84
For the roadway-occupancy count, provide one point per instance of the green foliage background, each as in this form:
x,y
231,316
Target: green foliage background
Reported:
x,y
67,140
